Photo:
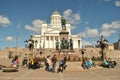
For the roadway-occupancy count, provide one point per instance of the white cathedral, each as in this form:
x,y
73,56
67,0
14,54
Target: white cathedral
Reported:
x,y
50,33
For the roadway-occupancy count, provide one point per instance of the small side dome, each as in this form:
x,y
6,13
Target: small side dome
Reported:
x,y
44,22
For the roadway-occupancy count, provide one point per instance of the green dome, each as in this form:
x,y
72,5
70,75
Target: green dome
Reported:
x,y
55,12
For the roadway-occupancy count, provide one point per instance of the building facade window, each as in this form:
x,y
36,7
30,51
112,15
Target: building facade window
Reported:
x,y
51,38
56,37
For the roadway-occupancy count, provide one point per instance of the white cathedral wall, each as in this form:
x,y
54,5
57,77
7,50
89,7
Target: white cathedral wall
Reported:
x,y
46,44
75,44
43,43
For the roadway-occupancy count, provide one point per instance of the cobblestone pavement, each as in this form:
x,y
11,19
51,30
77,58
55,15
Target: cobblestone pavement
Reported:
x,y
77,74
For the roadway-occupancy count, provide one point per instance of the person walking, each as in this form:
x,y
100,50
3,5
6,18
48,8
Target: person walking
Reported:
x,y
64,62
54,60
48,63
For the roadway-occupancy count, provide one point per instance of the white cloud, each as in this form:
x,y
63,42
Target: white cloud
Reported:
x,y
9,38
108,33
106,26
117,3
109,29
67,13
72,18
86,43
36,26
90,33
4,21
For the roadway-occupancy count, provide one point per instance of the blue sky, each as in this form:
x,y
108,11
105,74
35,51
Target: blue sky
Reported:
x,y
89,18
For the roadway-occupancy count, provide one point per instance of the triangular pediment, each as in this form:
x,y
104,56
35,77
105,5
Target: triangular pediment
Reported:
x,y
53,31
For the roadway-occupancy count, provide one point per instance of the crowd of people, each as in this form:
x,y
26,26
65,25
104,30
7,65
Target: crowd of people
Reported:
x,y
109,63
15,62
87,63
31,63
62,64
50,64
51,60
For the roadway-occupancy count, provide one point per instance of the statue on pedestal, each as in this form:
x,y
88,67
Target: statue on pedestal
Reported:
x,y
63,23
66,44
63,43
57,45
71,44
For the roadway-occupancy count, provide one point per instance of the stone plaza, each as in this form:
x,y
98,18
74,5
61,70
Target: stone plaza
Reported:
x,y
74,71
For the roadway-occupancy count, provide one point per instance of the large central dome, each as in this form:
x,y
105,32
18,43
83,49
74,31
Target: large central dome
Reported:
x,y
55,13
55,19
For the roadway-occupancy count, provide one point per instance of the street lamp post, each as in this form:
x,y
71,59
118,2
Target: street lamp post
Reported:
x,y
36,42
102,43
29,44
26,43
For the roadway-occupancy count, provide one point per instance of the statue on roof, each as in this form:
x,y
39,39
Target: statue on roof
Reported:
x,y
63,23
